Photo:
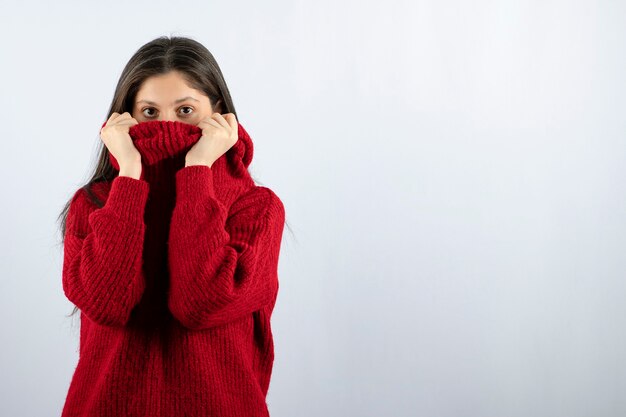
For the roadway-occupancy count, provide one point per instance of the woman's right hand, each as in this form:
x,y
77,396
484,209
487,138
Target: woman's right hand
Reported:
x,y
116,138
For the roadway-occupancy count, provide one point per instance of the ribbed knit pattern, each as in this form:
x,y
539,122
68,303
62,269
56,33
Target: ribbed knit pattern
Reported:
x,y
176,279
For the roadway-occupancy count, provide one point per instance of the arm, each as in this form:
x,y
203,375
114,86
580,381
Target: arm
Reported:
x,y
103,252
222,267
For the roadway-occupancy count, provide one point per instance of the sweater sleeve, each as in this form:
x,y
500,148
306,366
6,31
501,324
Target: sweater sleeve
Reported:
x,y
222,266
103,252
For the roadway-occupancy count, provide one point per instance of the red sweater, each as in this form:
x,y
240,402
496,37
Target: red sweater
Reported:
x,y
176,279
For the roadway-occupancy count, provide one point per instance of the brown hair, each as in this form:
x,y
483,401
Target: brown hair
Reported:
x,y
159,56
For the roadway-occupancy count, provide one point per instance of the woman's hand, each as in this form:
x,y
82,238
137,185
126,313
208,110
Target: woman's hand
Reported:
x,y
116,138
219,134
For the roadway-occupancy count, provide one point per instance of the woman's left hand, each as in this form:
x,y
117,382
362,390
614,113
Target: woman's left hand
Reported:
x,y
219,134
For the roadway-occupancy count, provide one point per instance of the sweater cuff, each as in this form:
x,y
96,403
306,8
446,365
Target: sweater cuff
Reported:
x,y
127,197
194,182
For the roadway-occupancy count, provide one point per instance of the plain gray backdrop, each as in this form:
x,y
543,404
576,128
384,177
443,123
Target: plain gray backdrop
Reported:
x,y
453,174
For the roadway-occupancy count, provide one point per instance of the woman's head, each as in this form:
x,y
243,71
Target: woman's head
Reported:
x,y
165,70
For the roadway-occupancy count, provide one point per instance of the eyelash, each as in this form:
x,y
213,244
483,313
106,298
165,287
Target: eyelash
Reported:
x,y
187,114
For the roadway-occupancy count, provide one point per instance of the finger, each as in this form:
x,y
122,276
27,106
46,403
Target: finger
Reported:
x,y
215,123
129,122
112,117
220,119
205,120
209,121
121,117
232,121
202,120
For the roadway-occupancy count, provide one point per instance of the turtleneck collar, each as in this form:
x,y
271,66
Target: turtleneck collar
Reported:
x,y
163,145
159,139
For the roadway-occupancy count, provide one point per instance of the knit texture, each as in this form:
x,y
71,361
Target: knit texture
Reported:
x,y
176,278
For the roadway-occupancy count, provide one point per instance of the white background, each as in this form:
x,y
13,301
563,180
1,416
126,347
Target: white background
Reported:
x,y
453,177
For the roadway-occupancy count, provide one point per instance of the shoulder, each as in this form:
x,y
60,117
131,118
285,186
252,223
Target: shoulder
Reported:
x,y
86,199
78,212
91,195
258,203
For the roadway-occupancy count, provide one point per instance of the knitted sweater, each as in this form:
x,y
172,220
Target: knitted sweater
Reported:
x,y
176,279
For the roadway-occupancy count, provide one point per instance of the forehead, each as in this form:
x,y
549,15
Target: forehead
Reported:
x,y
170,88
180,100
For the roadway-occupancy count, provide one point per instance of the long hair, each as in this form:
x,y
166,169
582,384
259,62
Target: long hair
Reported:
x,y
159,56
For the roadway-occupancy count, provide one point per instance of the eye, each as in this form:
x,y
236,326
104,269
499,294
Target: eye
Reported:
x,y
147,115
144,111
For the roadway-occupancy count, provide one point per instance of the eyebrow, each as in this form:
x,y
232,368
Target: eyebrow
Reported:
x,y
177,101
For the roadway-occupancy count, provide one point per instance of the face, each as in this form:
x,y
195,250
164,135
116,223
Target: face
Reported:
x,y
168,97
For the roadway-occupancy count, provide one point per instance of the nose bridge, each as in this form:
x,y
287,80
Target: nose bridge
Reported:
x,y
169,115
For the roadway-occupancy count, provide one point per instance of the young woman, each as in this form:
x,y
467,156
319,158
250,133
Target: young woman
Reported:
x,y
171,250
